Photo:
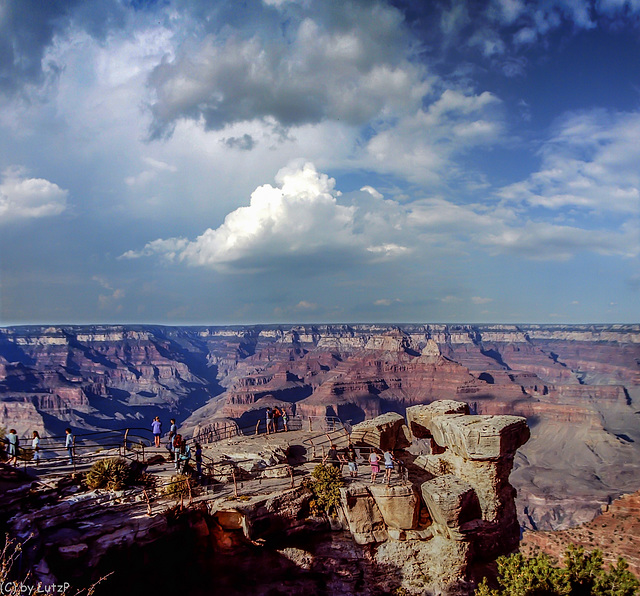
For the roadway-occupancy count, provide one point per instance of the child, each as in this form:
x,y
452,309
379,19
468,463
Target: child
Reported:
x,y
374,461
388,465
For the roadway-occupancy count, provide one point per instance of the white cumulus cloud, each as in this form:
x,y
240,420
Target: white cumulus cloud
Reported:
x,y
298,219
22,197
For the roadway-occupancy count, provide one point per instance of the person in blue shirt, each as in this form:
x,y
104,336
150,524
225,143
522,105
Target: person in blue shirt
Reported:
x,y
68,443
156,428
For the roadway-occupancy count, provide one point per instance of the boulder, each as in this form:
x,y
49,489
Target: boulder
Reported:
x,y
387,431
451,501
420,418
399,505
362,516
480,437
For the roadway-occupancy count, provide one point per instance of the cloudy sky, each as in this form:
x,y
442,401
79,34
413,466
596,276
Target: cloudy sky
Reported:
x,y
266,161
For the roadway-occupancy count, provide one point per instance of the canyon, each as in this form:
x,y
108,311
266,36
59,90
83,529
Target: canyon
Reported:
x,y
578,386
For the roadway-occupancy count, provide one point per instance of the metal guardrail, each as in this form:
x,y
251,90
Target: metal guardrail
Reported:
x,y
229,431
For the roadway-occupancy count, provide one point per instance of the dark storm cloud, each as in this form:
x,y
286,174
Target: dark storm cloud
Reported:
x,y
347,63
28,27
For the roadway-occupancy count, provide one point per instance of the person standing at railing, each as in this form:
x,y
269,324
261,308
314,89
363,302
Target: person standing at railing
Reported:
x,y
68,444
198,455
13,442
388,465
276,418
333,458
173,430
285,420
269,420
35,445
156,429
351,457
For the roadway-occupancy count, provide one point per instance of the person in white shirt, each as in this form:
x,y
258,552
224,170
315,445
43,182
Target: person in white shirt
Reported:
x,y
35,445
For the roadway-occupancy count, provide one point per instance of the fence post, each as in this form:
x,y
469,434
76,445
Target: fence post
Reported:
x,y
73,449
141,443
126,434
310,429
257,427
235,483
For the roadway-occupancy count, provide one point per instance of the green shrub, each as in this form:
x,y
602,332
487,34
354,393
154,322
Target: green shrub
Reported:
x,y
113,473
179,486
325,485
583,574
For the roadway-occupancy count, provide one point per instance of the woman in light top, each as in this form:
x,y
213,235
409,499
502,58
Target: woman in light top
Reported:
x,y
35,445
374,461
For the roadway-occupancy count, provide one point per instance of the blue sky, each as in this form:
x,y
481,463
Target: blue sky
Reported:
x,y
192,162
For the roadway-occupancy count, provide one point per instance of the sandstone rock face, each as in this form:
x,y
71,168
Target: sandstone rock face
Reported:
x,y
399,505
451,501
419,418
363,517
387,431
471,494
480,437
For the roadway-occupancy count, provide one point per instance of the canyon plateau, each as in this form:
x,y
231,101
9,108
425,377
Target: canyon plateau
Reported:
x,y
578,386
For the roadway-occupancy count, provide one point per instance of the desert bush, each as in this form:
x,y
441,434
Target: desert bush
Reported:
x,y
325,485
179,486
583,574
114,473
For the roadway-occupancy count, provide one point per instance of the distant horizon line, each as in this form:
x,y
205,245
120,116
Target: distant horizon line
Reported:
x,y
318,324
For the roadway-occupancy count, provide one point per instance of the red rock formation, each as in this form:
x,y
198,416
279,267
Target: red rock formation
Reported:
x,y
616,532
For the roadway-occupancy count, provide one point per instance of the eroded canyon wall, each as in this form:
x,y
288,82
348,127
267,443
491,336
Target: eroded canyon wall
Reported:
x,y
578,387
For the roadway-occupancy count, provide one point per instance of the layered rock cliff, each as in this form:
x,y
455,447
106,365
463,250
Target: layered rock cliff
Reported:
x,y
578,386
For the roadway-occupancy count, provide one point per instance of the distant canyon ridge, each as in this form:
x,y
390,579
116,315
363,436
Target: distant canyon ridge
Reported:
x,y
577,385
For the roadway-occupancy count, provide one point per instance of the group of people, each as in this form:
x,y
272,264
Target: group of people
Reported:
x,y
178,446
274,417
349,456
12,442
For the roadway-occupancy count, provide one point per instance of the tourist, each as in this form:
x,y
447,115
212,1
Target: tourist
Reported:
x,y
173,430
333,458
276,419
35,445
388,465
13,442
177,444
374,462
68,443
198,459
182,454
269,419
285,420
351,457
156,429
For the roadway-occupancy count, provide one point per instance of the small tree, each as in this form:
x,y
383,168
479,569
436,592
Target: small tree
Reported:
x,y
325,487
583,574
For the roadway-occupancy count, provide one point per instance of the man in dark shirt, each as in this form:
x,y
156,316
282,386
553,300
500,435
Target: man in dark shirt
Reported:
x,y
332,458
